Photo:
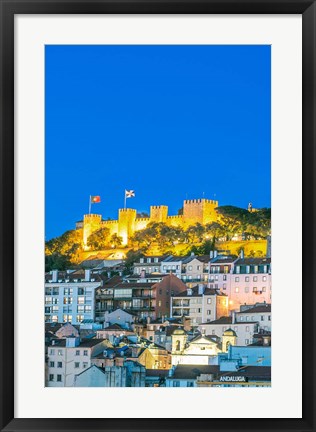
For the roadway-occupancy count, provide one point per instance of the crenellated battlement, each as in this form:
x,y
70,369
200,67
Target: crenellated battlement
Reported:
x,y
194,211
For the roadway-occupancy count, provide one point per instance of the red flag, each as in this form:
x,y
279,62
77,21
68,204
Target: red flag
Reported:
x,y
95,199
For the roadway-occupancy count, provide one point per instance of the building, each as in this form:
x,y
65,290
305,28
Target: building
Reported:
x,y
70,296
200,304
194,211
69,357
148,264
245,331
260,313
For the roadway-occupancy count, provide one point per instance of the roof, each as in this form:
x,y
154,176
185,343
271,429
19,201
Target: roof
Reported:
x,y
229,332
221,320
224,259
253,261
193,371
136,285
257,309
157,373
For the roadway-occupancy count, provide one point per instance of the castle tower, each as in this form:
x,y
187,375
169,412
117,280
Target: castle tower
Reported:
x,y
199,211
91,223
126,223
158,213
179,339
229,338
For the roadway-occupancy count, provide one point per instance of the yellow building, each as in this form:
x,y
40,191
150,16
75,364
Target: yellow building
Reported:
x,y
194,211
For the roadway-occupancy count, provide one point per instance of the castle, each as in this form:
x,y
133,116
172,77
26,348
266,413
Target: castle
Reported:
x,y
194,211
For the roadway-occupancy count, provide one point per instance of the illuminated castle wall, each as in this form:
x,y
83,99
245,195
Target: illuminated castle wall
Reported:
x,y
194,211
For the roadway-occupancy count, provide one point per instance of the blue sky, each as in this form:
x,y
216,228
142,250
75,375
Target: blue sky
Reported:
x,y
170,122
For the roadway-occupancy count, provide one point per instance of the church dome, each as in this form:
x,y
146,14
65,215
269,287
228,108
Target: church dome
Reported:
x,y
229,332
179,332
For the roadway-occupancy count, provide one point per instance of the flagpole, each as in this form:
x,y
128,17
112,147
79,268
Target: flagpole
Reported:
x,y
125,199
90,204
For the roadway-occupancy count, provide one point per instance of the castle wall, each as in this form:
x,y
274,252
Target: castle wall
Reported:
x,y
91,223
194,211
175,221
199,211
141,223
111,225
126,224
158,213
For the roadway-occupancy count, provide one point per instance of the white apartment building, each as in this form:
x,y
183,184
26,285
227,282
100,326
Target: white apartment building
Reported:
x,y
243,330
70,296
200,304
259,313
244,280
69,357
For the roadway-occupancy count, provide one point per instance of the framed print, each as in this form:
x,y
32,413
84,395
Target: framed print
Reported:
x,y
156,158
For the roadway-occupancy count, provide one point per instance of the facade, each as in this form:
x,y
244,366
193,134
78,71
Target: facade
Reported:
x,y
69,357
70,296
194,211
245,331
260,313
148,265
200,304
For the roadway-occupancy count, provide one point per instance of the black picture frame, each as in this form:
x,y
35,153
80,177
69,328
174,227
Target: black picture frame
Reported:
x,y
8,10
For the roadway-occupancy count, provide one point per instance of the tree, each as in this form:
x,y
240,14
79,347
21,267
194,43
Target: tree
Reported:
x,y
99,239
116,240
131,257
57,261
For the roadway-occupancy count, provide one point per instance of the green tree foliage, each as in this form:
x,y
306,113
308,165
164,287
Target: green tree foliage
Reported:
x,y
116,240
99,239
68,244
131,257
57,261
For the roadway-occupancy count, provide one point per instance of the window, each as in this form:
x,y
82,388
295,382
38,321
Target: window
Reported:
x,y
236,279
68,291
51,377
247,341
59,364
189,384
255,269
236,290
247,279
85,365
235,329
148,260
226,268
262,318
247,328
241,318
80,318
159,303
52,352
247,318
60,352
87,309
176,383
216,278
246,289
224,277
237,269
264,289
208,312
155,259
51,364
209,301
58,378
265,269
85,352
189,267
164,267
213,332
264,278
255,278
224,286
77,365
248,269
269,317
80,309
77,352
198,267
80,300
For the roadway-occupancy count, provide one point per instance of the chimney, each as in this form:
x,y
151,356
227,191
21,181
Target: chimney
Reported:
x,y
215,253
233,317
119,361
211,254
109,274
143,273
109,362
87,275
242,254
148,320
201,289
54,275
203,331
192,253
120,273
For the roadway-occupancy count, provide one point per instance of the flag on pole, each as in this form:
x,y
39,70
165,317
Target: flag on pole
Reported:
x,y
129,193
95,199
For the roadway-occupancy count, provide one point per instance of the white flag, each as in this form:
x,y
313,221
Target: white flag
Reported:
x,y
129,193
